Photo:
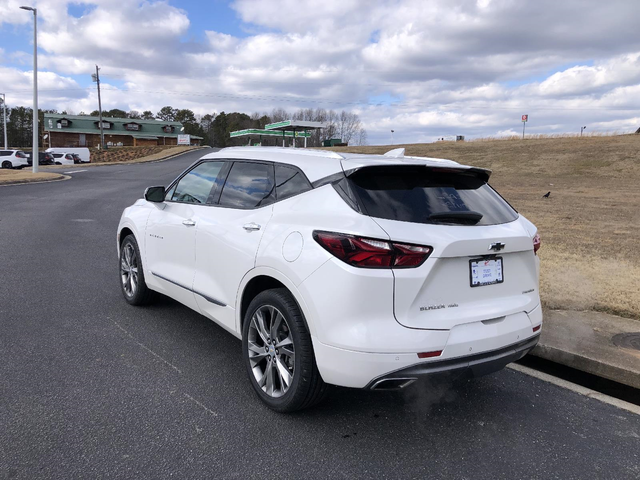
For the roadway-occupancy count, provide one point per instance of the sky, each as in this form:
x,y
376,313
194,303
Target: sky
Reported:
x,y
425,69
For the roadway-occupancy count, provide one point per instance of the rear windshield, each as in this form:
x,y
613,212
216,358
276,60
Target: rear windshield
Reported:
x,y
429,195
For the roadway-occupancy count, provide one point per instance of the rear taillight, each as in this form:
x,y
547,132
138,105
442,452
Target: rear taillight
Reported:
x,y
371,252
536,243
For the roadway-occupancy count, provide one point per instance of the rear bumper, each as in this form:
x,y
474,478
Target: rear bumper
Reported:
x,y
469,366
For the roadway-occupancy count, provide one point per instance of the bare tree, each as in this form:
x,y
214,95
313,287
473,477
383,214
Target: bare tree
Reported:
x,y
279,115
349,125
362,137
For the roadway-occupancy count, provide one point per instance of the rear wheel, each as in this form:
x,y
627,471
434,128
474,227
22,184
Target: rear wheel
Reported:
x,y
278,353
132,283
7,165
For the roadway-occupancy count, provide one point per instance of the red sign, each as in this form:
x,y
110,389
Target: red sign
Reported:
x,y
525,118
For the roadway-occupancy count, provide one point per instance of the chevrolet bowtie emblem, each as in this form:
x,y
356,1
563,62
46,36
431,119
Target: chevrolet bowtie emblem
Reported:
x,y
496,247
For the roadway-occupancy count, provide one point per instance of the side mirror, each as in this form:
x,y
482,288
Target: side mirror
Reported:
x,y
154,194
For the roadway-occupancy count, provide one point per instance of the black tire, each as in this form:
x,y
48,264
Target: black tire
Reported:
x,y
7,164
58,163
140,295
307,387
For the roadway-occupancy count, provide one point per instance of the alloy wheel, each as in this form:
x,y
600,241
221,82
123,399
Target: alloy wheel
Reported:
x,y
129,270
271,351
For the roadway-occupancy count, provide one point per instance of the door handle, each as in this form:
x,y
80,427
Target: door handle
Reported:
x,y
189,223
251,227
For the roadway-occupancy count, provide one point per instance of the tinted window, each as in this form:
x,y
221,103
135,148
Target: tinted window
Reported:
x,y
196,185
249,185
429,195
5,153
290,182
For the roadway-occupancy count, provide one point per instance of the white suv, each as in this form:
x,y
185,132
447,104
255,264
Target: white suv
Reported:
x,y
13,159
362,271
64,159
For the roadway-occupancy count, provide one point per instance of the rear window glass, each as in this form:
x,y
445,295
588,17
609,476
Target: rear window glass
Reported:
x,y
249,185
429,195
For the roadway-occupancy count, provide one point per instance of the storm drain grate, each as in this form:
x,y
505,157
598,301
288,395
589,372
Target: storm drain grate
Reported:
x,y
627,340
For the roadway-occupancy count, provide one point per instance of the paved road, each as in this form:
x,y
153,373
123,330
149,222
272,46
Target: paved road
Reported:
x,y
91,387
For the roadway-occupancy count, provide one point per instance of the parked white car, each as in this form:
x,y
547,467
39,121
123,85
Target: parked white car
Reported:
x,y
13,159
363,271
82,152
64,159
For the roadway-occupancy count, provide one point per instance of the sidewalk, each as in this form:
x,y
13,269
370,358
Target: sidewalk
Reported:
x,y
583,340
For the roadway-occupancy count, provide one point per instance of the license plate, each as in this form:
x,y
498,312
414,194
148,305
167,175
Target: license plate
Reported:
x,y
485,271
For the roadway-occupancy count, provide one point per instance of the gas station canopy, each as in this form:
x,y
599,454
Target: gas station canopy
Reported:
x,y
294,126
285,129
271,133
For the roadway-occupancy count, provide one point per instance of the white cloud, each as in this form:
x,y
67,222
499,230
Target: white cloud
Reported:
x,y
447,66
11,13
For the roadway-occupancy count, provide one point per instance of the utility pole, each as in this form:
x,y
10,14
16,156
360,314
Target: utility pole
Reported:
x,y
34,154
582,129
96,78
4,116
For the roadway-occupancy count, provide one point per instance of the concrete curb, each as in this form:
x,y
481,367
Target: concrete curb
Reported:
x,y
588,365
579,389
22,182
583,341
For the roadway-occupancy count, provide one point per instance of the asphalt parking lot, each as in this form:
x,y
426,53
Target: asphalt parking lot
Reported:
x,y
91,387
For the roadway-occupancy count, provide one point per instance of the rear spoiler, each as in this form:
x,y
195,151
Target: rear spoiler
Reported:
x,y
480,173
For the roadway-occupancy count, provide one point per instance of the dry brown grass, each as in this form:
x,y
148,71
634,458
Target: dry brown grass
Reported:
x,y
589,226
26,176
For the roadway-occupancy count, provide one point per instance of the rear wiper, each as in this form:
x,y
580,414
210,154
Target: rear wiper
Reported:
x,y
468,217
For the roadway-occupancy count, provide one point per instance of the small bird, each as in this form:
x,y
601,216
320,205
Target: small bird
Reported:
x,y
547,195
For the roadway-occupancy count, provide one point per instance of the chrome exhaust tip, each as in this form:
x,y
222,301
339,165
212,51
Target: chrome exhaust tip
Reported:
x,y
392,383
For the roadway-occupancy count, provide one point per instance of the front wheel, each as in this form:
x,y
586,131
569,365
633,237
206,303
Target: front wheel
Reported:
x,y
278,353
134,288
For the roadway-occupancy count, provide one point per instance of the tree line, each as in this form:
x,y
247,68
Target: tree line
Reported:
x,y
343,125
215,128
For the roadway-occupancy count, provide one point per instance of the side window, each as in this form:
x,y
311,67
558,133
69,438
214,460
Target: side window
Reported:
x,y
290,182
196,185
249,185
4,153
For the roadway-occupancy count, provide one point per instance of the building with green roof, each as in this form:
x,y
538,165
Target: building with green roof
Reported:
x,y
84,131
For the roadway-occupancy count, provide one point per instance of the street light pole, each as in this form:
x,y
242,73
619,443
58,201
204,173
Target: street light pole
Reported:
x,y
4,116
581,129
34,152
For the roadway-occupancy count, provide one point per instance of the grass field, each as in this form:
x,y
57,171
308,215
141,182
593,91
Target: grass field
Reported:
x,y
590,225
